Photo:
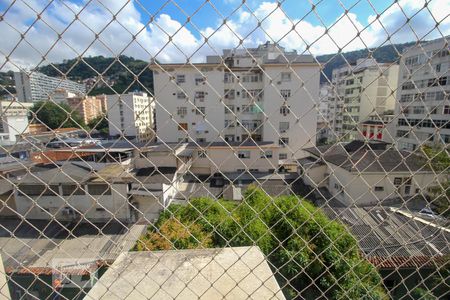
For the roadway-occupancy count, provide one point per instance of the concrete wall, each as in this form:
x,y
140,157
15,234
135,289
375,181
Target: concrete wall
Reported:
x,y
225,160
94,207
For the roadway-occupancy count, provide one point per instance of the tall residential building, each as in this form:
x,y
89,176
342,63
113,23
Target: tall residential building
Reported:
x,y
264,93
325,114
423,107
36,86
131,115
88,107
13,120
362,90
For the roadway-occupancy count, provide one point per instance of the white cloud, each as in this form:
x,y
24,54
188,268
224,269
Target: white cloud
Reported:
x,y
168,40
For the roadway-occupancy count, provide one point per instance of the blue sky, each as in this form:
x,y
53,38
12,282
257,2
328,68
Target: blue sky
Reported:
x,y
333,24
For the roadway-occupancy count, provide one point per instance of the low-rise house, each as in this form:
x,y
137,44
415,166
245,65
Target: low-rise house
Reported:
x,y
366,173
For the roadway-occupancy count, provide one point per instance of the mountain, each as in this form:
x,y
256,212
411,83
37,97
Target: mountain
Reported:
x,y
383,54
117,71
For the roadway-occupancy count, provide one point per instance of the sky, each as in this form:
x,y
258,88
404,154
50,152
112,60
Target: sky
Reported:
x,y
37,32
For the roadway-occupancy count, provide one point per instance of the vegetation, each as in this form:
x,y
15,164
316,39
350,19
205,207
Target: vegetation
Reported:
x,y
121,71
314,256
438,160
56,115
99,123
383,54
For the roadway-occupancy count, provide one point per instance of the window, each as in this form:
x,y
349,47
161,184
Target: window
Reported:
x,y
200,96
182,110
71,189
229,94
183,126
285,109
244,154
283,142
282,156
266,154
228,78
284,127
181,78
99,189
199,80
229,109
201,140
446,110
397,181
379,189
350,82
200,110
229,138
285,94
438,67
181,95
286,76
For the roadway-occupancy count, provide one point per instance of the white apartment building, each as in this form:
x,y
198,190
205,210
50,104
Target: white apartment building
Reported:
x,y
423,107
131,115
326,110
35,86
264,94
13,120
362,90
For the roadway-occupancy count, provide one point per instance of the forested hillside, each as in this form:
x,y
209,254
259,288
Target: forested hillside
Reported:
x,y
120,71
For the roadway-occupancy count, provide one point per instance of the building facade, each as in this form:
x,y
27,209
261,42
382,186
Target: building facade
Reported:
x,y
423,107
13,120
131,115
326,110
35,86
88,107
362,90
261,94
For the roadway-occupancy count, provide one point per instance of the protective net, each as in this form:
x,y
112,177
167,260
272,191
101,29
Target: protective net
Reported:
x,y
224,149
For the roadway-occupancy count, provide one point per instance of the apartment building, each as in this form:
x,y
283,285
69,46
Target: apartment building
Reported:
x,y
89,107
362,90
326,111
35,86
423,107
13,120
131,115
264,94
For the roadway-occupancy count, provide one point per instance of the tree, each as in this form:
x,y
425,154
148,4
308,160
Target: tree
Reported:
x,y
56,115
99,123
313,256
438,160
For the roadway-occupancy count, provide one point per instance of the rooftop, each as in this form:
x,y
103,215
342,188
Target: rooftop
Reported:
x,y
374,156
228,273
391,238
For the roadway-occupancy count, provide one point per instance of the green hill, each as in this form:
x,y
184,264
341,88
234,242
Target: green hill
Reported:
x,y
120,70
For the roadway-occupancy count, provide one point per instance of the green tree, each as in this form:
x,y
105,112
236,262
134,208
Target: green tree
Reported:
x,y
313,256
438,160
99,123
56,115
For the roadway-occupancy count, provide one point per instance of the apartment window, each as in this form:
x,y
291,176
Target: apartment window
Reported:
x,y
266,154
181,95
379,189
438,67
446,110
229,94
99,189
282,156
200,110
229,109
285,94
228,78
181,78
350,82
285,109
244,154
183,126
200,96
229,138
229,123
286,76
71,189
402,133
284,126
199,80
283,142
182,111
445,138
